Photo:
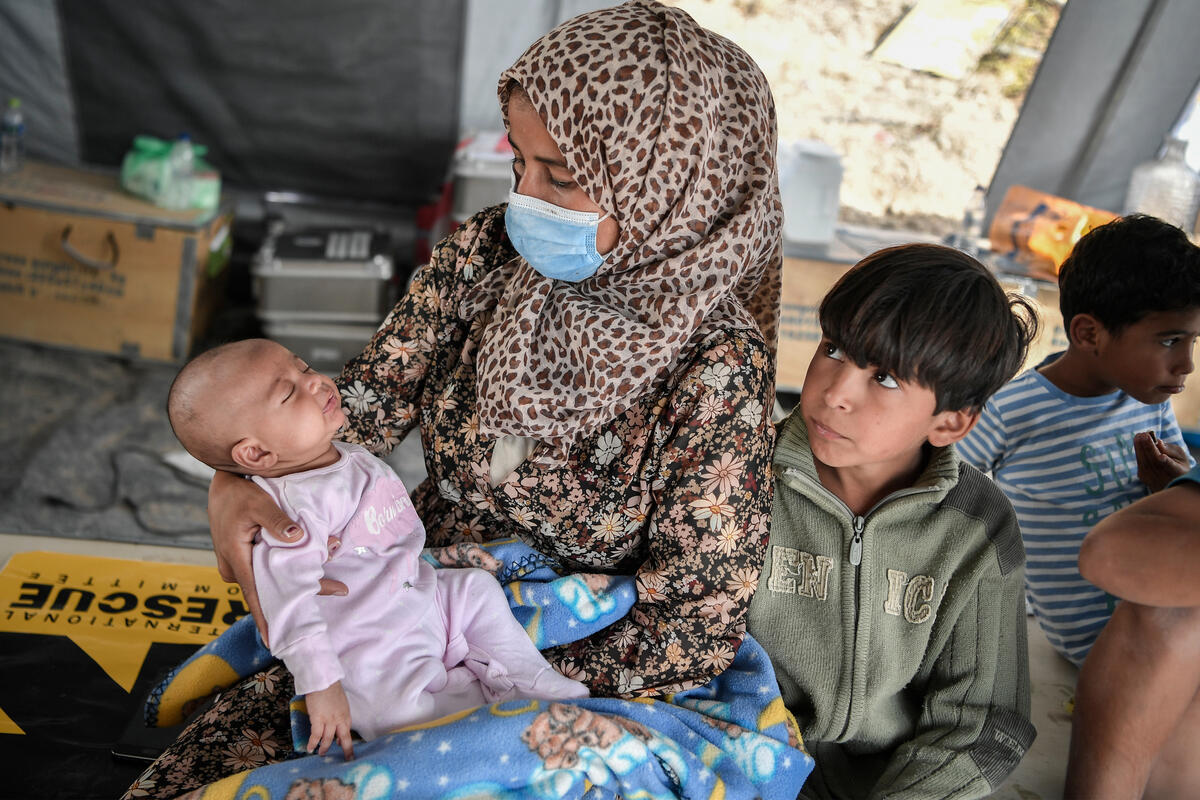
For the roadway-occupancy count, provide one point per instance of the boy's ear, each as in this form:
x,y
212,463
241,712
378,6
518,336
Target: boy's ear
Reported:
x,y
950,426
251,455
1085,332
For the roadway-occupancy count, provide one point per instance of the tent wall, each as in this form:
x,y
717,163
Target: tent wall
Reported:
x,y
33,68
365,99
354,99
1113,81
361,99
498,31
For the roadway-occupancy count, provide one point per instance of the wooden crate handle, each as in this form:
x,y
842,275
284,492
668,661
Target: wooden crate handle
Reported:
x,y
85,260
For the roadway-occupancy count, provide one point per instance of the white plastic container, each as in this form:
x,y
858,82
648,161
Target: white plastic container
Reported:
x,y
1166,187
810,182
326,346
482,173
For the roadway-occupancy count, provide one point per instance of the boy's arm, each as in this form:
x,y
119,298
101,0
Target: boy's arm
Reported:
x,y
1148,552
984,445
1158,461
974,725
1170,432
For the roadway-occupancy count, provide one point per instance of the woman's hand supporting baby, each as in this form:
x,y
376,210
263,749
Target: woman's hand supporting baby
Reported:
x,y
237,510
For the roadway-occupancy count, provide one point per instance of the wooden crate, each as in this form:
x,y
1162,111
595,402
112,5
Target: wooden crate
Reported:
x,y
83,264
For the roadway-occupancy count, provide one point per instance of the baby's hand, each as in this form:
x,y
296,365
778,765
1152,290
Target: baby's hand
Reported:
x,y
329,716
1158,462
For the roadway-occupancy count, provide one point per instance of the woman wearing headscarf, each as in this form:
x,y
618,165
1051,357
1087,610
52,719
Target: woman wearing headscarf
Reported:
x,y
591,367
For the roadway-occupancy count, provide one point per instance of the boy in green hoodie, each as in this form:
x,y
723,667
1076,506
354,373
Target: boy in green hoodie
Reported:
x,y
892,602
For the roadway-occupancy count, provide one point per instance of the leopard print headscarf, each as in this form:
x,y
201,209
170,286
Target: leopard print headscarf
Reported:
x,y
671,128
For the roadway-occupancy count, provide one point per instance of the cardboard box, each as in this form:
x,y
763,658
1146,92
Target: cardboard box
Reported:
x,y
83,264
805,282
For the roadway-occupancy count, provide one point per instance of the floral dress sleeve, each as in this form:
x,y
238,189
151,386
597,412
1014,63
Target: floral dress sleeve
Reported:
x,y
706,473
384,388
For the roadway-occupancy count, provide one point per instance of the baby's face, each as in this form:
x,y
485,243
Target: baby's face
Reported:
x,y
292,409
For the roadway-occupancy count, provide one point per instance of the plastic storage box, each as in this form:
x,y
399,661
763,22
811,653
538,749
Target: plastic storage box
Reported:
x,y
810,179
482,173
336,275
324,346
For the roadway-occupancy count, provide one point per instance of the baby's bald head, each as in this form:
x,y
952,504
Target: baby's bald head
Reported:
x,y
199,403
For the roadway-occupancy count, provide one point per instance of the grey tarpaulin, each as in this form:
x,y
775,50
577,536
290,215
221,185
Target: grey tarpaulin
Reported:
x,y
347,99
352,99
33,68
1113,81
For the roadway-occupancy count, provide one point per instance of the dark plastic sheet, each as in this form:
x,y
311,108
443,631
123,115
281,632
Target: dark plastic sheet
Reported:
x,y
72,714
354,99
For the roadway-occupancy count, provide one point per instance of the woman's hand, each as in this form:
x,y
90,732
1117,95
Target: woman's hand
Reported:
x,y
1158,462
237,509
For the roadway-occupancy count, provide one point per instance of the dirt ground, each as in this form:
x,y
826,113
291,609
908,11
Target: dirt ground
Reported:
x,y
913,145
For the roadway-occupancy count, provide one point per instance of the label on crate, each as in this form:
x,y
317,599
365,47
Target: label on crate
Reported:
x,y
61,281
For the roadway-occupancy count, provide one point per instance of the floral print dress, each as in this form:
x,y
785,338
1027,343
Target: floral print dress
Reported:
x,y
675,491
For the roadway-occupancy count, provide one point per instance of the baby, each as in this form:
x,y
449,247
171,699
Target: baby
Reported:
x,y
408,643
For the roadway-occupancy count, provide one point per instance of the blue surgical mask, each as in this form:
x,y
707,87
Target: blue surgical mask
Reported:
x,y
557,242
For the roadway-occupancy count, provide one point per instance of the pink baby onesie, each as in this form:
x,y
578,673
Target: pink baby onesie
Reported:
x,y
410,643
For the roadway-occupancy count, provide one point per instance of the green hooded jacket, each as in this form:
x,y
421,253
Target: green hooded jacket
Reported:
x,y
898,637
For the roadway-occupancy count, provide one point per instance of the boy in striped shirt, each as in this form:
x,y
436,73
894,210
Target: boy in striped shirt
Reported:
x,y
1090,430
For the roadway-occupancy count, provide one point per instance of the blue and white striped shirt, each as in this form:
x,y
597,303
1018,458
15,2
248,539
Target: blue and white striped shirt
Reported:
x,y
1065,462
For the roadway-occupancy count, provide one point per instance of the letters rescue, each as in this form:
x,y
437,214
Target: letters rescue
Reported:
x,y
797,572
127,607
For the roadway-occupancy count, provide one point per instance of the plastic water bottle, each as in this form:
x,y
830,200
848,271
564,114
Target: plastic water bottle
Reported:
x,y
12,137
1166,187
971,239
181,166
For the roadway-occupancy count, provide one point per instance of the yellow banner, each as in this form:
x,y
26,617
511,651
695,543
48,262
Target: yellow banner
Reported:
x,y
113,609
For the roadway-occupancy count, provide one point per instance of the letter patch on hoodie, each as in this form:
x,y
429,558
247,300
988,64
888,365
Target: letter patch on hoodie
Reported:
x,y
909,597
797,572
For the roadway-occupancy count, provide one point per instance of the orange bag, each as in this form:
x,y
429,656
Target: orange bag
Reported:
x,y
1038,230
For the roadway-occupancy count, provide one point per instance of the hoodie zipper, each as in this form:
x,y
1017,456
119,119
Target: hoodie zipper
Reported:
x,y
856,542
859,524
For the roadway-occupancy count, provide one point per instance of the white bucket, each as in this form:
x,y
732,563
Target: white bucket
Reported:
x,y
810,181
482,173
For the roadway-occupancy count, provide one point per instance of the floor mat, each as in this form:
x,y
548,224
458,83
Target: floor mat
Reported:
x,y
83,437
82,640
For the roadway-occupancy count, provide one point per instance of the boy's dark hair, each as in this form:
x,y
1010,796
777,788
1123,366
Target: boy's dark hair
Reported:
x,y
932,315
1131,267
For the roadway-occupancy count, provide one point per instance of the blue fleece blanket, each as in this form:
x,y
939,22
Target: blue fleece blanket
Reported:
x,y
730,738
